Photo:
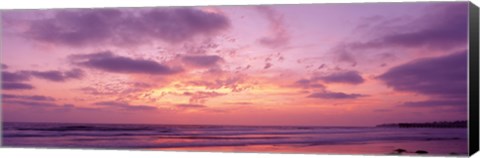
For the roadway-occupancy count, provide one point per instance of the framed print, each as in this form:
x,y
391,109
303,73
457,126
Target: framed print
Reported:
x,y
346,78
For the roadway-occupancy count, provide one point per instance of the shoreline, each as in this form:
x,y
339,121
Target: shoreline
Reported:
x,y
368,148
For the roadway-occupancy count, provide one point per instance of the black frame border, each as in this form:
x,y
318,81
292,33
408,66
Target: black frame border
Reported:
x,y
473,38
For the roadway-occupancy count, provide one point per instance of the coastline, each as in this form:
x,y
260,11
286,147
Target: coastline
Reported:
x,y
435,148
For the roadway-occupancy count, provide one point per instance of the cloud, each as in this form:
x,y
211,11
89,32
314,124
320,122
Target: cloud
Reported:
x,y
279,35
444,75
238,103
39,103
202,61
107,61
190,106
28,97
200,97
349,77
442,27
14,80
15,76
125,106
429,103
115,88
342,54
58,76
234,83
81,27
335,95
29,103
16,86
4,66
306,84
382,110
267,65
446,27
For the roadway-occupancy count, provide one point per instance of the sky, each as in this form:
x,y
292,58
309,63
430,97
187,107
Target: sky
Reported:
x,y
357,64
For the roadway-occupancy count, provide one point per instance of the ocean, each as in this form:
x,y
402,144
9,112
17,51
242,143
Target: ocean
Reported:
x,y
270,139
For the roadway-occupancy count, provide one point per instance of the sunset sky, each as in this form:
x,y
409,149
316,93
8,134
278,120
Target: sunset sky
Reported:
x,y
319,64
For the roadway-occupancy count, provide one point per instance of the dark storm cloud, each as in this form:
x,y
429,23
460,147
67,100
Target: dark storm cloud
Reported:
x,y
107,61
204,61
124,106
350,77
82,27
335,95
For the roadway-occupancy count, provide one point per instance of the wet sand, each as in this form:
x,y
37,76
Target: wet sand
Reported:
x,y
434,147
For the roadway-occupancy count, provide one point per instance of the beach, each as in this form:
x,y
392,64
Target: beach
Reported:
x,y
215,138
438,147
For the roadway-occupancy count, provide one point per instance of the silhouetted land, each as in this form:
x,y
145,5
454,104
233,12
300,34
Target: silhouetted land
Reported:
x,y
442,124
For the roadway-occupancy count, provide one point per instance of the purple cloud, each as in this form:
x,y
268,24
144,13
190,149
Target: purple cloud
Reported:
x,y
190,106
125,106
342,55
234,83
267,65
350,77
58,76
429,103
239,103
306,84
82,27
382,110
29,103
15,76
107,61
204,61
335,95
76,28
42,105
443,27
28,97
116,89
444,76
446,27
200,97
4,66
179,24
16,86
279,35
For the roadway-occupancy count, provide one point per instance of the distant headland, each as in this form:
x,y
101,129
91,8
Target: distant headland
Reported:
x,y
442,124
